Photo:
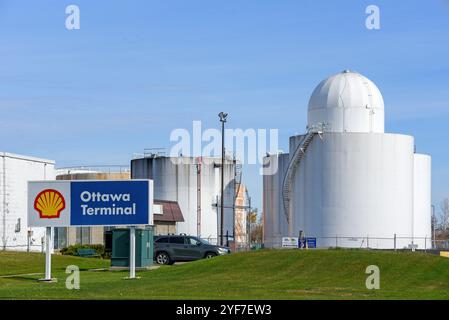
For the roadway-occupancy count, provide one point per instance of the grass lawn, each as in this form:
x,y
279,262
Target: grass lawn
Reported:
x,y
265,274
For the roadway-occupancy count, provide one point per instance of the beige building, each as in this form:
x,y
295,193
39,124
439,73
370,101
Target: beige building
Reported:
x,y
241,218
66,236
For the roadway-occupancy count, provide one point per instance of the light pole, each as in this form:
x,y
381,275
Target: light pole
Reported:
x,y
223,117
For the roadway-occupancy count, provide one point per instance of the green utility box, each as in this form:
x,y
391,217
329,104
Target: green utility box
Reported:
x,y
120,247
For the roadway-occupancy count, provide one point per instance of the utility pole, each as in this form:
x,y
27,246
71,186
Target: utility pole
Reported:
x,y
223,117
249,223
198,197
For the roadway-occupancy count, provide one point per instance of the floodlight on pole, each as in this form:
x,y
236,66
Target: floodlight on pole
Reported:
x,y
223,117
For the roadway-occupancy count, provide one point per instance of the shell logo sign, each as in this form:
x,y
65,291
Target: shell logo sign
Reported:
x,y
65,203
49,203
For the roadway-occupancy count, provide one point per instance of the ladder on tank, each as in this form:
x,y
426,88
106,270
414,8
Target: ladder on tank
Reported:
x,y
292,166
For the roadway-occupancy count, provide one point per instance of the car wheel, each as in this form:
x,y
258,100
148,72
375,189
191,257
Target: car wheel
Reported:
x,y
163,258
210,255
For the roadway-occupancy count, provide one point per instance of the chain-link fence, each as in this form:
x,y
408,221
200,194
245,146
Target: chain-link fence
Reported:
x,y
236,246
368,242
25,248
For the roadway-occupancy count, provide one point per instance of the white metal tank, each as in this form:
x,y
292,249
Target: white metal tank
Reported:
x,y
274,220
357,187
178,179
346,182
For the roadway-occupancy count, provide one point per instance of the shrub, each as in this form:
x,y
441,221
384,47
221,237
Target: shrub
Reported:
x,y
73,250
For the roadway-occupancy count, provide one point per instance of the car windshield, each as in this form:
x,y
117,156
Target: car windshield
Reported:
x,y
202,241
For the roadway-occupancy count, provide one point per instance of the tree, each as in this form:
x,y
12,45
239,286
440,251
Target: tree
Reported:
x,y
253,216
256,226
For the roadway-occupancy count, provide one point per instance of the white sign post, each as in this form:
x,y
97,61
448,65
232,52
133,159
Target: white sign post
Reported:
x,y
132,252
48,241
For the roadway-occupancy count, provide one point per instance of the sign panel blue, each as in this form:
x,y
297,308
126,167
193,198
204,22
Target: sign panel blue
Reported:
x,y
109,203
310,242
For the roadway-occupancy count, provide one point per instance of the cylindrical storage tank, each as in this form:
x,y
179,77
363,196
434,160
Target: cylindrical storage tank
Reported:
x,y
176,179
422,215
355,190
274,218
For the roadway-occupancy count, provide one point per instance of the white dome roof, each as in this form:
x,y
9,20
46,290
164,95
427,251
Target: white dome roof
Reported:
x,y
346,102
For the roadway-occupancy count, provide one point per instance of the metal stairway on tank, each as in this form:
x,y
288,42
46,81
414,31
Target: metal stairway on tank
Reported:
x,y
292,166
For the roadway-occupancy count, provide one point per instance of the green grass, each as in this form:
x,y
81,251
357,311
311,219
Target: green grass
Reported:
x,y
265,274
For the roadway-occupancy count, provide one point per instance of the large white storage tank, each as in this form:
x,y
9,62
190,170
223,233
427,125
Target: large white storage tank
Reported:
x,y
346,182
15,172
274,218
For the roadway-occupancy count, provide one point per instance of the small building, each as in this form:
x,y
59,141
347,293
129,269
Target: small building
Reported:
x,y
15,172
166,214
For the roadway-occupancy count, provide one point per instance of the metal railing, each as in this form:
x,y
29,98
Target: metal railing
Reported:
x,y
371,242
112,168
154,152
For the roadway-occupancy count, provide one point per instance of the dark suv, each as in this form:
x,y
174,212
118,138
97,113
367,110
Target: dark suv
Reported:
x,y
172,248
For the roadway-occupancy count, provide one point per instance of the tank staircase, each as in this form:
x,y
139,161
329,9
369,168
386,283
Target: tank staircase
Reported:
x,y
298,155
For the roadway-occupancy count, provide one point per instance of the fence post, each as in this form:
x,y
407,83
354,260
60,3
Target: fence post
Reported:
x,y
395,242
336,241
367,242
425,244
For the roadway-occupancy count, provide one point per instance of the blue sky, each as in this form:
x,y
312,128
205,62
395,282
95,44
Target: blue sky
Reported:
x,y
136,70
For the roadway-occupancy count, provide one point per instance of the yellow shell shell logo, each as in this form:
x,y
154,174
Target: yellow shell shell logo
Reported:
x,y
49,203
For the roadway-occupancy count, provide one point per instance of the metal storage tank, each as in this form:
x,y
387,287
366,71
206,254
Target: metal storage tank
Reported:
x,y
345,181
194,183
275,222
